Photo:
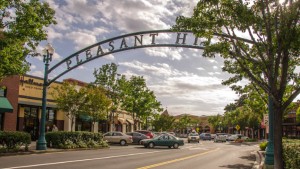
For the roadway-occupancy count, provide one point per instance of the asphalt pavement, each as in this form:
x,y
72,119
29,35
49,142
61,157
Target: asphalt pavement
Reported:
x,y
257,162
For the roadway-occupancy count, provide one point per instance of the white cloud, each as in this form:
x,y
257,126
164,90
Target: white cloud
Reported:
x,y
38,73
214,73
81,39
32,67
200,68
173,54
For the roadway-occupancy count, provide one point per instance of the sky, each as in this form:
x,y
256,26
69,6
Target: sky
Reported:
x,y
182,79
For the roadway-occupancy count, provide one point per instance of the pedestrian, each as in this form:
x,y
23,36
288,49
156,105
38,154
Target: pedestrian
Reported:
x,y
54,128
47,128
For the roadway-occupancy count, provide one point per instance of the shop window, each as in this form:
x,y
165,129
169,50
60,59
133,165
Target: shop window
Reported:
x,y
83,123
2,94
50,119
31,121
3,91
1,121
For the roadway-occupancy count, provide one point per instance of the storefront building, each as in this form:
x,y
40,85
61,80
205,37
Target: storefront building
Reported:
x,y
21,108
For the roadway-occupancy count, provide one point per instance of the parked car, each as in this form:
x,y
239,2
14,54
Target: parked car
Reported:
x,y
193,137
117,137
146,132
220,137
137,137
233,137
172,133
212,136
205,136
163,140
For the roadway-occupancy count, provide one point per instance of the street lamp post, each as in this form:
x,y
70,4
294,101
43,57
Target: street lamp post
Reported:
x,y
269,160
47,53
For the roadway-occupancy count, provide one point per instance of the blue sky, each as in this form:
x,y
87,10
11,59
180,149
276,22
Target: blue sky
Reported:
x,y
182,79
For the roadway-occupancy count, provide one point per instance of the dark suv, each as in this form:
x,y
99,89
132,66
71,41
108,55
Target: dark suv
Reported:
x,y
146,132
205,136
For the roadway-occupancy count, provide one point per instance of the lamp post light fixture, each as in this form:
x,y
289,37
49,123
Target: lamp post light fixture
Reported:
x,y
47,53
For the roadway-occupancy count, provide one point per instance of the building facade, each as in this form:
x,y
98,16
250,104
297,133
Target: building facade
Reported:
x,y
24,94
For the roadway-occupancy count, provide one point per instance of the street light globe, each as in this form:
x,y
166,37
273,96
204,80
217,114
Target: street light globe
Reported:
x,y
49,48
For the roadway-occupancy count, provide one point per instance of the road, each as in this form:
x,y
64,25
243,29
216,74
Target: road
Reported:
x,y
203,155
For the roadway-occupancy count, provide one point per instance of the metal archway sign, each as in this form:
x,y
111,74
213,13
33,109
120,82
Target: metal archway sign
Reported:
x,y
144,39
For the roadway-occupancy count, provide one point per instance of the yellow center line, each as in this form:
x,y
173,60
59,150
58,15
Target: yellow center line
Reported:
x,y
178,159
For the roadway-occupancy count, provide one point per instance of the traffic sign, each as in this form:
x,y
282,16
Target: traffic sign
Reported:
x,y
237,127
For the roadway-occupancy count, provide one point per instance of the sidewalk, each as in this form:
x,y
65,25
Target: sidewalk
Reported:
x,y
32,150
260,159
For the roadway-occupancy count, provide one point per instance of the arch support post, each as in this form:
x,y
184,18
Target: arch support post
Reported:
x,y
41,143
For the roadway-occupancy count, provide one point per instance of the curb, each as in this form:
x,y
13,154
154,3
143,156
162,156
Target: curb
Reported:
x,y
260,159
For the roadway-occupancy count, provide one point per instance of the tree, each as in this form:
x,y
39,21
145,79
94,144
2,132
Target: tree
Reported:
x,y
183,122
96,103
137,98
215,121
70,100
107,77
298,115
268,57
21,29
163,123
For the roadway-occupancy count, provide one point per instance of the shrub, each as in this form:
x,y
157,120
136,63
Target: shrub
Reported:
x,y
250,140
291,153
13,140
77,139
263,145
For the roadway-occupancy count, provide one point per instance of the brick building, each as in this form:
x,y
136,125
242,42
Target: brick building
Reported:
x,y
21,107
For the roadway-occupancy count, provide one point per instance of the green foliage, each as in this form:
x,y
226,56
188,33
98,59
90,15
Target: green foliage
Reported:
x,y
163,122
183,122
22,27
263,145
291,153
130,95
96,103
13,140
69,140
250,140
298,115
107,78
70,100
216,121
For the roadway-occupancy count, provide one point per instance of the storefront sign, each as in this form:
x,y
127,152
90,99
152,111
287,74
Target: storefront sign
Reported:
x,y
29,81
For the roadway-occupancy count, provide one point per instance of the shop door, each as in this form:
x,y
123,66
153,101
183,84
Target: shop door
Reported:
x,y
31,122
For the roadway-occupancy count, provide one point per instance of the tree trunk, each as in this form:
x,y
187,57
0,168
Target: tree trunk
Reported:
x,y
278,152
93,127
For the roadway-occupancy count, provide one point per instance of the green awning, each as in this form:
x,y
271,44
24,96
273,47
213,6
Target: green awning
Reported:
x,y
5,106
84,117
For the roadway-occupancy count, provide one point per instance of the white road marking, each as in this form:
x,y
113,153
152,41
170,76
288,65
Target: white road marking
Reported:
x,y
89,159
197,148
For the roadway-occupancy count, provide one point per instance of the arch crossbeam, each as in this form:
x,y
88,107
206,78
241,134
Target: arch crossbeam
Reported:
x,y
144,39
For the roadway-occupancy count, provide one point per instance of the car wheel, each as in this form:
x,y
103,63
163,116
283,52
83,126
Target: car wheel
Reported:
x,y
151,145
176,145
122,142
